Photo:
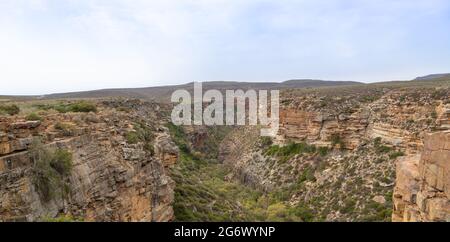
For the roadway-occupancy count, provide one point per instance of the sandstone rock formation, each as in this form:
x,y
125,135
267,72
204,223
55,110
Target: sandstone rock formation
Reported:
x,y
111,179
362,132
422,191
165,149
400,118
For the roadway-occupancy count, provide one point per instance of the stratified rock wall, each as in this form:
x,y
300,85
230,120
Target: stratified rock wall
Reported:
x,y
360,132
399,118
320,127
111,179
422,191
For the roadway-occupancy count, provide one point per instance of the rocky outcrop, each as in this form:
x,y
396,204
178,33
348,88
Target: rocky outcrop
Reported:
x,y
112,179
399,118
15,136
165,149
422,191
321,127
443,116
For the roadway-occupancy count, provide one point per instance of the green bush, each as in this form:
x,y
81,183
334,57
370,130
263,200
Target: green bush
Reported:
x,y
379,148
50,168
10,109
61,161
77,107
323,151
132,137
33,117
396,154
382,149
266,141
307,175
82,107
179,137
142,134
290,149
349,206
66,128
337,140
304,213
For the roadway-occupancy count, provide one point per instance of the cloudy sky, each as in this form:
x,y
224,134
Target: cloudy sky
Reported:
x,y
49,46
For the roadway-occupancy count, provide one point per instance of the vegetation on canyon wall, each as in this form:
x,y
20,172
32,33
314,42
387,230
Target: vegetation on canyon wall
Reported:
x,y
51,168
203,192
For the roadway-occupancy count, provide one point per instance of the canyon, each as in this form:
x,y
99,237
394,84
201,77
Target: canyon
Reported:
x,y
112,179
346,153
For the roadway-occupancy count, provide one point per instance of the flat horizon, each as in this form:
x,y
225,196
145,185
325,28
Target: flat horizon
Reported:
x,y
236,81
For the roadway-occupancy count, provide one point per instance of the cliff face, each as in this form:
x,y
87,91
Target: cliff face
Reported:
x,y
422,191
113,177
319,127
336,149
400,118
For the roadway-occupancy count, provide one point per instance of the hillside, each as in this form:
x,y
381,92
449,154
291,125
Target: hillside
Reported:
x,y
433,77
163,93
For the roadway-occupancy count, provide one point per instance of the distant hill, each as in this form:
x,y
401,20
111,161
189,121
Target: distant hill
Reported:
x,y
296,83
163,93
433,77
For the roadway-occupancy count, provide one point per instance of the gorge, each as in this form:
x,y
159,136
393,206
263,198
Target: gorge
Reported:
x,y
376,152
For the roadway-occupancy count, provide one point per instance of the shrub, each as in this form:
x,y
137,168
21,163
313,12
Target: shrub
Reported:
x,y
307,175
377,141
67,129
323,151
33,117
396,154
276,212
9,109
379,148
266,141
50,168
379,160
337,140
82,107
290,149
143,134
383,149
304,213
78,107
349,206
132,137
61,161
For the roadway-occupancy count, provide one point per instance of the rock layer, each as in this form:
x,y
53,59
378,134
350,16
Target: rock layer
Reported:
x,y
111,179
422,191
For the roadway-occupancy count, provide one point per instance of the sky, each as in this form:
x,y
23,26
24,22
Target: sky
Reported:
x,y
50,46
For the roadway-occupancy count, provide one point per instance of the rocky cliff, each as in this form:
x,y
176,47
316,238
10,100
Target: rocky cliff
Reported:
x,y
422,191
399,117
336,148
119,161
